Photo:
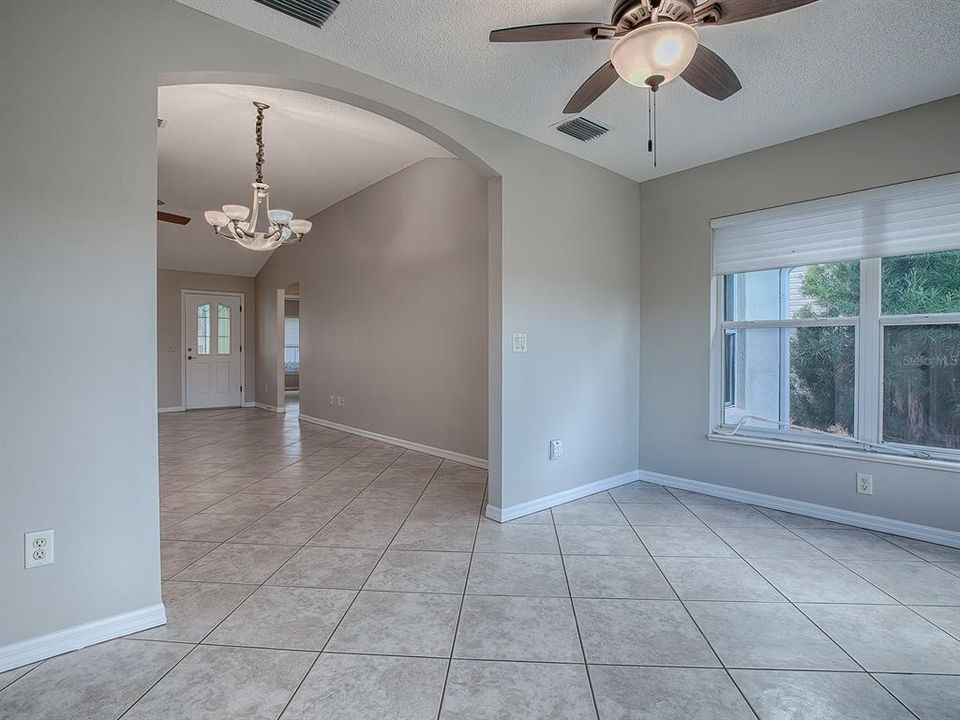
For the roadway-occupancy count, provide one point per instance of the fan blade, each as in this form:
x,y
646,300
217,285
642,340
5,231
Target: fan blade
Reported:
x,y
550,31
595,86
171,218
732,11
709,74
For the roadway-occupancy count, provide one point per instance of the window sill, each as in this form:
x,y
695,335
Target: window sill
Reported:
x,y
833,451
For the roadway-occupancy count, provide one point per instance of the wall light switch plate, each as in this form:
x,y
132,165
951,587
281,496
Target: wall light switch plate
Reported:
x,y
864,484
520,342
38,548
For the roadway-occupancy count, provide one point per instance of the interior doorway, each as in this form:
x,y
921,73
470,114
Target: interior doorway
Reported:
x,y
213,350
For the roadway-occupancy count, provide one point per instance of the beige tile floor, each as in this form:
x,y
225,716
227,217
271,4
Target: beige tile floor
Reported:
x,y
309,573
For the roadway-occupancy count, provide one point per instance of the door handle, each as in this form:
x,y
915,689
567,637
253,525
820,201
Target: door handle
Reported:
x,y
189,357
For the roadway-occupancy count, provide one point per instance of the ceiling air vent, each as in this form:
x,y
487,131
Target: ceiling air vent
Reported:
x,y
582,129
312,12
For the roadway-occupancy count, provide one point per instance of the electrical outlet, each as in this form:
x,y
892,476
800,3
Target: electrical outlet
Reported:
x,y
519,342
864,484
341,402
38,548
556,449
333,400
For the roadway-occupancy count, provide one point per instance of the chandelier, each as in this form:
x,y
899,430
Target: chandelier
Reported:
x,y
280,228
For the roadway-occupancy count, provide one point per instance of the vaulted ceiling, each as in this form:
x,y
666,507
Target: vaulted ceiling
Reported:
x,y
804,71
318,152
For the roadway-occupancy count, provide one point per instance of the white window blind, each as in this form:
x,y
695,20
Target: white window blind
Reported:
x,y
291,332
910,218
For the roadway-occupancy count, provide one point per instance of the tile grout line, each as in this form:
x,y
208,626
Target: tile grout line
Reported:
x,y
200,642
794,605
372,569
849,569
726,670
576,619
466,580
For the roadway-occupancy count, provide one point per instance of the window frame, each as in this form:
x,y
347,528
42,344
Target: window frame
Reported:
x,y
868,329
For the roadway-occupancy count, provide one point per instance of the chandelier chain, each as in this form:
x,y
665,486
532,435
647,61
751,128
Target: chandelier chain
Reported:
x,y
260,159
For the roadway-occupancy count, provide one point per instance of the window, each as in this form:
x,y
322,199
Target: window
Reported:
x,y
861,351
920,321
203,329
291,344
223,329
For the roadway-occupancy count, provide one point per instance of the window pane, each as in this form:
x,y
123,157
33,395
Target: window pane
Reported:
x,y
291,359
829,290
921,385
822,378
809,291
756,377
729,367
755,296
801,376
203,329
223,329
921,284
291,331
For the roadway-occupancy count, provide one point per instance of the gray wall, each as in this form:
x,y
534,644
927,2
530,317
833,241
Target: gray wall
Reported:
x,y
170,333
78,452
393,287
80,147
675,309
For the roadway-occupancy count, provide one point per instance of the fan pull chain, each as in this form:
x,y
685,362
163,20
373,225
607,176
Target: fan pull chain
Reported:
x,y
649,121
653,83
654,93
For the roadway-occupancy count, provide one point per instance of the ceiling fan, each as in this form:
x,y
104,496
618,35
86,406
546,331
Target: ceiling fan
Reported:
x,y
164,216
656,42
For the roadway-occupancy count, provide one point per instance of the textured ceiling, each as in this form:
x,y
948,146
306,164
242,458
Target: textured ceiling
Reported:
x,y
804,71
318,152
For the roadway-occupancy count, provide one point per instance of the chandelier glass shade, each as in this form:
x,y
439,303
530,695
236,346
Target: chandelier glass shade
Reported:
x,y
655,54
263,229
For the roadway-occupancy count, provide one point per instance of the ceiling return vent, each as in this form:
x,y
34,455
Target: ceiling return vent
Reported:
x,y
583,129
312,12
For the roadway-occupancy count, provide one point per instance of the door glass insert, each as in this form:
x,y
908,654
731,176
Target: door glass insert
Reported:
x,y
203,329
223,329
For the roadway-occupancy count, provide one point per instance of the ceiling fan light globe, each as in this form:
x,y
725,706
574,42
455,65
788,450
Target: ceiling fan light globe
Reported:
x,y
663,48
301,227
236,212
215,218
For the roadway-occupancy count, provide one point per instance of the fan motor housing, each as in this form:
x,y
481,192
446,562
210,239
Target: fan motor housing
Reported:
x,y
631,14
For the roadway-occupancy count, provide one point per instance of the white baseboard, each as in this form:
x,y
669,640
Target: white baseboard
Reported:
x,y
178,408
250,403
271,408
528,508
80,636
439,452
941,536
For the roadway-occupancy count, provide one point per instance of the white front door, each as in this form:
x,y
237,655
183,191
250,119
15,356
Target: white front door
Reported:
x,y
211,342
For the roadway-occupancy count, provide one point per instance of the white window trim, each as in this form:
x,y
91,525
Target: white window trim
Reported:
x,y
867,443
